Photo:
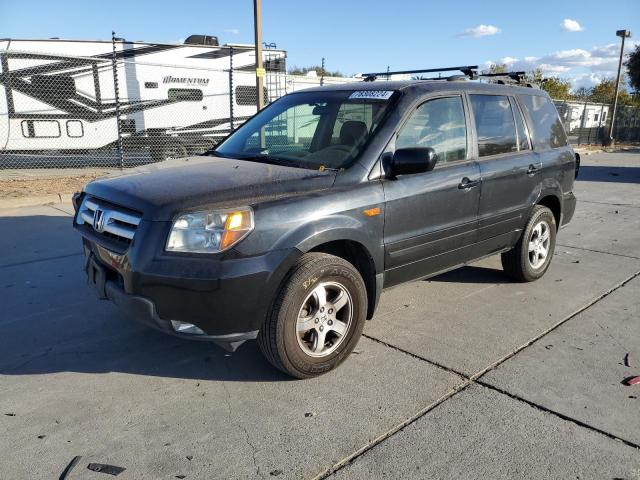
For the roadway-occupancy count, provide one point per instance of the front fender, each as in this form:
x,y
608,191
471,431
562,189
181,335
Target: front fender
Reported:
x,y
366,231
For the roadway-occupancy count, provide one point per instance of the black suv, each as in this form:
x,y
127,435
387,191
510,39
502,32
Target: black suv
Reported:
x,y
289,230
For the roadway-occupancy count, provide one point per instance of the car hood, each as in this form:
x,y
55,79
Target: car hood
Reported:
x,y
162,190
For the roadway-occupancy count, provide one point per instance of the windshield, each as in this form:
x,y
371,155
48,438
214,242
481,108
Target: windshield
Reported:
x,y
315,130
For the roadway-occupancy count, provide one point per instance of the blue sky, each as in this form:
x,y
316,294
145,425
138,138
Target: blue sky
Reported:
x,y
569,38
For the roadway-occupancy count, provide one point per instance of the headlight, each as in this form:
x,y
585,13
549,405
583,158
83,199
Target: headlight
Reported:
x,y
210,232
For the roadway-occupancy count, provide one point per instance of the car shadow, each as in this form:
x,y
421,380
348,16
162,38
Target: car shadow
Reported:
x,y
52,322
603,173
473,274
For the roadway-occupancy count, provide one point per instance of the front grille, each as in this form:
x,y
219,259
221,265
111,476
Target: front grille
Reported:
x,y
109,220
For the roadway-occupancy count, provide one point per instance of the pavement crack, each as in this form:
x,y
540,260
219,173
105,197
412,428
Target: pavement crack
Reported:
x,y
26,362
474,379
535,339
27,262
418,357
60,210
562,416
244,429
611,204
596,251
391,432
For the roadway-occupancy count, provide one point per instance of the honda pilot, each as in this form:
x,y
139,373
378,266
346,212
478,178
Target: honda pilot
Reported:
x,y
288,231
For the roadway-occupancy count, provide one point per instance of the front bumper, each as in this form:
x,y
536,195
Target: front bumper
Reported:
x,y
227,296
143,310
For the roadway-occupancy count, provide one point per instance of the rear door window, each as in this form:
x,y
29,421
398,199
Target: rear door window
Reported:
x,y
547,128
495,125
523,134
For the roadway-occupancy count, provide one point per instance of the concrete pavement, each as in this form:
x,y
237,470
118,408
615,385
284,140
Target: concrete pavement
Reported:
x,y
465,375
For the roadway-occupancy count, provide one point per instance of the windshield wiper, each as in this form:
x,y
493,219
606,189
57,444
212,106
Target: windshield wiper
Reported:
x,y
270,159
213,153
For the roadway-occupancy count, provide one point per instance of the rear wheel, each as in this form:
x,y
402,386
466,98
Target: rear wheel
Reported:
x,y
317,318
531,257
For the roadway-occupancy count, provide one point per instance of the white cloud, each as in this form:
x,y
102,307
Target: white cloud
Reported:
x,y
571,25
233,31
582,67
480,31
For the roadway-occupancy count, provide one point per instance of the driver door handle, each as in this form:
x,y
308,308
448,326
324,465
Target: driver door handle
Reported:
x,y
466,183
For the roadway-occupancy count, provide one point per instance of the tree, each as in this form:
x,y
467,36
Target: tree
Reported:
x,y
557,88
497,68
633,69
318,69
605,91
582,93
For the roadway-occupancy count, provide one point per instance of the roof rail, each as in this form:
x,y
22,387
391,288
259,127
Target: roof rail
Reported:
x,y
515,76
468,70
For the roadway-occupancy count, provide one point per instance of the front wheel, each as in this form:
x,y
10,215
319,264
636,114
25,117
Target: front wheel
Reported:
x,y
317,318
530,258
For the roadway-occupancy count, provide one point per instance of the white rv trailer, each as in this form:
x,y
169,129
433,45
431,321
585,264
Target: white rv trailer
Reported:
x,y
171,99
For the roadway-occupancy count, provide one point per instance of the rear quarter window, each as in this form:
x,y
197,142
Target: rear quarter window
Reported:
x,y
546,127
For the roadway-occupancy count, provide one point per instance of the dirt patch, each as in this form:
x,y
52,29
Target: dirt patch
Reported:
x,y
20,188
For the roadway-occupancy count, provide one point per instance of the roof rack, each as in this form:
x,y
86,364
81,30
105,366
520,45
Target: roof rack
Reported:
x,y
518,77
469,72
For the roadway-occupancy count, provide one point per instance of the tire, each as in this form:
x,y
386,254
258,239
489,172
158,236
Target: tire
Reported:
x,y
298,307
527,265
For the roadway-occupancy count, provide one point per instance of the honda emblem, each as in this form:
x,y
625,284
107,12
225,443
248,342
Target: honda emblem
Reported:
x,y
99,220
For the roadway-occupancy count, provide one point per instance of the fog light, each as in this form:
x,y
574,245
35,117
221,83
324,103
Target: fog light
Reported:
x,y
183,327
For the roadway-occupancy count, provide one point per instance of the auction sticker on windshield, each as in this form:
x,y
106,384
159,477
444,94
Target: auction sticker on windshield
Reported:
x,y
371,94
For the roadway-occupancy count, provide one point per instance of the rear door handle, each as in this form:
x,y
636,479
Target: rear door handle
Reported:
x,y
466,183
532,170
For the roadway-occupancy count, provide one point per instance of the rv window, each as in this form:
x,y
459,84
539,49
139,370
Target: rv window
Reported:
x,y
185,95
246,95
54,86
40,128
75,129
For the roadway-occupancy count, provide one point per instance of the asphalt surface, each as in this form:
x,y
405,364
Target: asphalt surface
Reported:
x,y
467,375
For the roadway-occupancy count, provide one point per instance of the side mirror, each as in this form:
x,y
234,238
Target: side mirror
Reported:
x,y
407,161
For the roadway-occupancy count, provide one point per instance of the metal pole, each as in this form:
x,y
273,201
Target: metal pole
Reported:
x,y
231,88
623,34
114,65
322,73
257,22
599,136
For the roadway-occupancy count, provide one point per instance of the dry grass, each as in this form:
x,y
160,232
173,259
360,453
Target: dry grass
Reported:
x,y
31,187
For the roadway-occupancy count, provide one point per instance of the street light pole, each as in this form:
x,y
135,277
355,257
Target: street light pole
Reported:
x,y
623,34
260,73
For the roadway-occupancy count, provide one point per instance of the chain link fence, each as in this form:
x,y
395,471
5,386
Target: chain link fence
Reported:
x,y
134,105
125,104
588,123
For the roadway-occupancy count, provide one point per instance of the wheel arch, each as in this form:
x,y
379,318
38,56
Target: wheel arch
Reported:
x,y
553,203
